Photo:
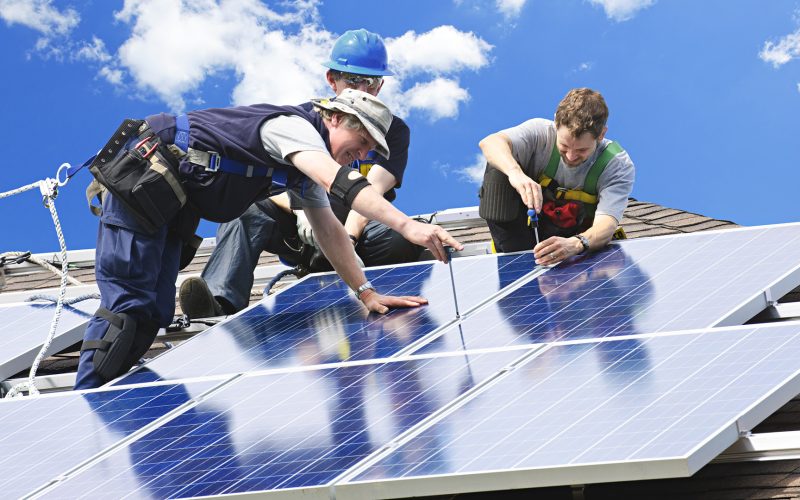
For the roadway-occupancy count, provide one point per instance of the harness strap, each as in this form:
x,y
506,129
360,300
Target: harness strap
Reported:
x,y
589,192
214,162
570,194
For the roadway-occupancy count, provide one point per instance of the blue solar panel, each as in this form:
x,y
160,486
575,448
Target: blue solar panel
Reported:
x,y
601,411
46,436
319,321
639,286
25,328
299,429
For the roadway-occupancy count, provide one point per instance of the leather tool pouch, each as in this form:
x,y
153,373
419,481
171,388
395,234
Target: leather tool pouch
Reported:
x,y
499,201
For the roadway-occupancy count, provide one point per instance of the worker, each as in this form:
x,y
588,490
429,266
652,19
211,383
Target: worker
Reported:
x,y
576,180
358,60
161,175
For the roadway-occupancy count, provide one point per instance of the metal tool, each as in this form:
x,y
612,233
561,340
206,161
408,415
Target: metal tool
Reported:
x,y
533,223
449,251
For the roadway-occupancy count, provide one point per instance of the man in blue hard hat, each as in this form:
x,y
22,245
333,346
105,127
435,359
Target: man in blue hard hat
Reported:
x,y
358,60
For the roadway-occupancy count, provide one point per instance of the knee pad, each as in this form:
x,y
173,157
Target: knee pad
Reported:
x,y
113,352
347,184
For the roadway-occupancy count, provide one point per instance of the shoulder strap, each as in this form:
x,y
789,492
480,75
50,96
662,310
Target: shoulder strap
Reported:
x,y
552,165
590,184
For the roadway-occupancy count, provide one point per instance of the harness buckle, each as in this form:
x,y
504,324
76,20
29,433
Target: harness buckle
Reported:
x,y
214,160
561,192
145,149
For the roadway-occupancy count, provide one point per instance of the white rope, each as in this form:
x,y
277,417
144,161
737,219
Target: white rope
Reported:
x,y
19,190
48,188
41,262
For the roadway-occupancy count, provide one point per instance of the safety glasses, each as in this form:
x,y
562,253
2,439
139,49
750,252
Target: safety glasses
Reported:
x,y
371,82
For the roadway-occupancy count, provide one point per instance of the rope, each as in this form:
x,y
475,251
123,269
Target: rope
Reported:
x,y
41,262
49,190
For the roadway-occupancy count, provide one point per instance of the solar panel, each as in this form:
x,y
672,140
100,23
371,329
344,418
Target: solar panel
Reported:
x,y
47,436
586,412
25,328
319,321
284,431
639,286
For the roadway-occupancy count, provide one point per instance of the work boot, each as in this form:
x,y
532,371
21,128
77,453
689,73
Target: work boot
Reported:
x,y
197,301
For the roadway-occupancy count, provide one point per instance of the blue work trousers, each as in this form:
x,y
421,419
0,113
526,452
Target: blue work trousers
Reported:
x,y
135,273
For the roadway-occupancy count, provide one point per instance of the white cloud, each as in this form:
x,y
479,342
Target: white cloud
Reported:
x,y
39,15
622,10
443,49
439,98
113,76
798,87
95,51
473,173
510,8
780,53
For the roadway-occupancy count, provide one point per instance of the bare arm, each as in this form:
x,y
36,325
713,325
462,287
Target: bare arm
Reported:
x,y
321,168
555,249
497,150
336,246
382,181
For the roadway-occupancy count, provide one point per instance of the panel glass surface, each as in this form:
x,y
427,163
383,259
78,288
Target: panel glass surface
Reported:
x,y
47,436
636,286
280,431
319,320
25,328
619,401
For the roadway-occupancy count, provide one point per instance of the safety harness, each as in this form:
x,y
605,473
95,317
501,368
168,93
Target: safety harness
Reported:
x,y
565,209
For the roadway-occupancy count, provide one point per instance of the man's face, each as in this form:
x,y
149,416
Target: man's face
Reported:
x,y
365,83
576,150
348,145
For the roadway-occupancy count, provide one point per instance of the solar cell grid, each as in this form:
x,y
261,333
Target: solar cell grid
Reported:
x,y
319,321
602,411
46,436
284,431
25,328
638,286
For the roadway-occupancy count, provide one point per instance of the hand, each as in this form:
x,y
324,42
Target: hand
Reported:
x,y
529,190
304,230
430,236
381,304
555,249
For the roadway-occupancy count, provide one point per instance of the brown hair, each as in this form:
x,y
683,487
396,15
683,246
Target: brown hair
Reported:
x,y
349,121
582,110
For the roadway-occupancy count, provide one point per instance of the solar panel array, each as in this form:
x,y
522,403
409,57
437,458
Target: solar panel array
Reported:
x,y
613,367
25,327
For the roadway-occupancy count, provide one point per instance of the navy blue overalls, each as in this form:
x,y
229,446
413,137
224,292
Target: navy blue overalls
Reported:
x,y
136,271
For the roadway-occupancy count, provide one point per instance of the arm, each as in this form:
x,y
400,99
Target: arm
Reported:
x,y
555,249
498,152
322,169
382,181
335,244
282,200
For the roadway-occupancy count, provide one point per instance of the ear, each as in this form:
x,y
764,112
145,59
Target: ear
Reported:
x,y
602,134
335,120
331,80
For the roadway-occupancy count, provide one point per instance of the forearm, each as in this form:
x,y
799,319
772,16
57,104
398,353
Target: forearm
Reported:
x,y
338,249
282,200
496,149
601,232
355,224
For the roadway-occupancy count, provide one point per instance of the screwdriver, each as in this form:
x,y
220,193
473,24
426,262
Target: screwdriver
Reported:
x,y
533,223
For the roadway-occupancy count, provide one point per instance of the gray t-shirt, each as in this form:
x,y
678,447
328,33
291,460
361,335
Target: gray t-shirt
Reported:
x,y
285,135
532,144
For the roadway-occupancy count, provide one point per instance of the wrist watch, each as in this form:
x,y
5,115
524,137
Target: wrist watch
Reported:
x,y
363,288
584,241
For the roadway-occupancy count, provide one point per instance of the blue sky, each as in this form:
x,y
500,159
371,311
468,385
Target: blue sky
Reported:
x,y
705,95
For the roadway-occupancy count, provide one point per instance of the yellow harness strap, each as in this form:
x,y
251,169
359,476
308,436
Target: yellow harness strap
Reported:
x,y
570,194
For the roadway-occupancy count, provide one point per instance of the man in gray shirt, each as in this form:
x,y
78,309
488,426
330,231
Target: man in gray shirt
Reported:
x,y
576,180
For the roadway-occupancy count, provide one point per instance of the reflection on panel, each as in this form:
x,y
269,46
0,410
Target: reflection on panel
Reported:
x,y
25,328
281,431
597,404
46,436
638,286
320,321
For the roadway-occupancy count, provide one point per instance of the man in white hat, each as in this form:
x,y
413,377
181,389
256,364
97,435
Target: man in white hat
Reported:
x,y
216,163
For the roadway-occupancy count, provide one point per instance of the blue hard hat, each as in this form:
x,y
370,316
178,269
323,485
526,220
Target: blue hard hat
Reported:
x,y
360,52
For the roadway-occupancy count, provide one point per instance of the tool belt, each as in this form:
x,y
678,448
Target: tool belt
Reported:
x,y
142,173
